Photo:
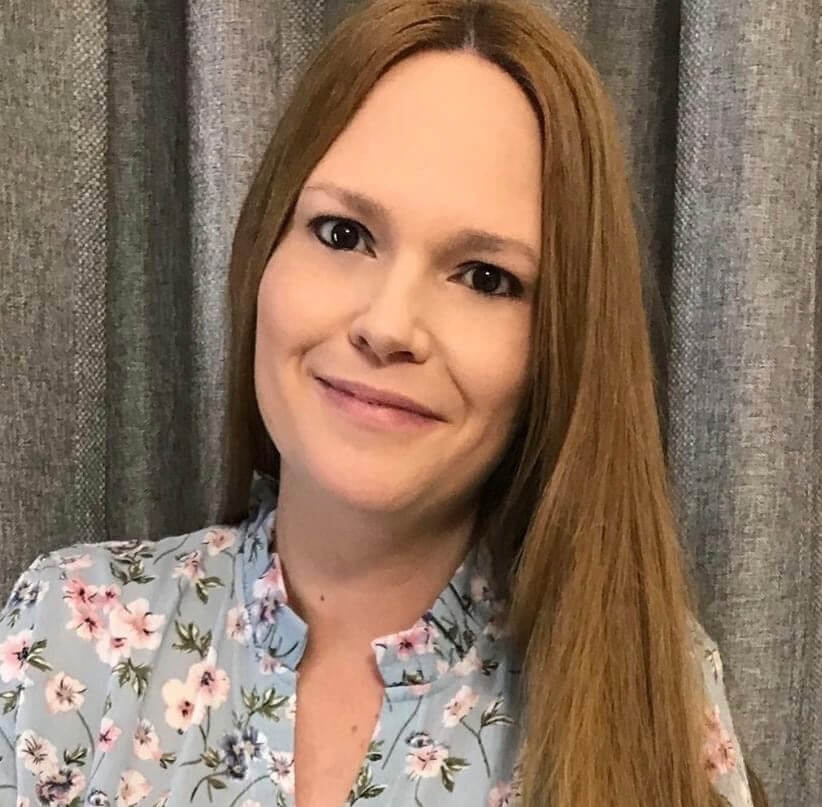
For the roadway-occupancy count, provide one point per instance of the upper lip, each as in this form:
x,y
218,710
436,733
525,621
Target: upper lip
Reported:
x,y
380,396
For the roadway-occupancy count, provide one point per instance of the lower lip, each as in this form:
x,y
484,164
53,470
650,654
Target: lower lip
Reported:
x,y
370,414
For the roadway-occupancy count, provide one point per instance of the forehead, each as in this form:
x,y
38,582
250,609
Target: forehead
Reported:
x,y
444,139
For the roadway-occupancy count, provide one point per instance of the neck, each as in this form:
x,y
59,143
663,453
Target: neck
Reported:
x,y
355,575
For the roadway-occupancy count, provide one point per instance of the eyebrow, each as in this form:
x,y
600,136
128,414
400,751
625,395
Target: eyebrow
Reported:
x,y
467,238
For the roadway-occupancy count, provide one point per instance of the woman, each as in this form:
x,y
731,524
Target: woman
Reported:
x,y
460,580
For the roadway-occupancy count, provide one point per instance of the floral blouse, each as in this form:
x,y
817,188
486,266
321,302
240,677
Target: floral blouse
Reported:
x,y
164,674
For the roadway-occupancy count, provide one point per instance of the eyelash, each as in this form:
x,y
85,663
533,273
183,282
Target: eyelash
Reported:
x,y
317,222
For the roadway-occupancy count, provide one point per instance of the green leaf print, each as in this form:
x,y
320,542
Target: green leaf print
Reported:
x,y
135,674
75,757
364,787
9,699
268,704
493,716
35,656
449,767
190,639
204,585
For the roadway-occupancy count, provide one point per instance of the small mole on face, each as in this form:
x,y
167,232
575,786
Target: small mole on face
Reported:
x,y
322,597
353,728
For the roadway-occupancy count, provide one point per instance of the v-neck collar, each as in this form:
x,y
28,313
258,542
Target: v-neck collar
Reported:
x,y
443,640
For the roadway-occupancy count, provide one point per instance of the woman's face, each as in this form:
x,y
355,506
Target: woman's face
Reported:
x,y
395,298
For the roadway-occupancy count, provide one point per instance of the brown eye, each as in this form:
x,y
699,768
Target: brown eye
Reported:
x,y
343,235
487,279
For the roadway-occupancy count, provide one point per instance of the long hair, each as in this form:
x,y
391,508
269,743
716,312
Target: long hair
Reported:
x,y
577,512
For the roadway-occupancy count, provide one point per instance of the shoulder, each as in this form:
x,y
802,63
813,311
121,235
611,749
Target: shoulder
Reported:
x,y
87,574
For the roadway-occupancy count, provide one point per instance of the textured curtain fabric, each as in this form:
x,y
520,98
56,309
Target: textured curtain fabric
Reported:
x,y
129,133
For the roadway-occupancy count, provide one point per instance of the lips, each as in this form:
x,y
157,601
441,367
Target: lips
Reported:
x,y
379,396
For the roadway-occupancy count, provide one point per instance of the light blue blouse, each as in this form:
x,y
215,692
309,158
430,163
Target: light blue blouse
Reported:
x,y
164,674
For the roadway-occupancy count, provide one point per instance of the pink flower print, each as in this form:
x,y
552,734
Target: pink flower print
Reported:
x,y
459,706
271,584
108,597
237,624
37,753
419,689
64,693
190,566
270,664
73,562
426,757
13,654
718,750
469,663
183,707
87,622
218,540
137,624
134,787
281,769
77,592
107,734
208,682
414,641
112,649
501,795
61,787
146,743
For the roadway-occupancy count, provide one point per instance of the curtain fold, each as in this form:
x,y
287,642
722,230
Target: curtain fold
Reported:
x,y
131,132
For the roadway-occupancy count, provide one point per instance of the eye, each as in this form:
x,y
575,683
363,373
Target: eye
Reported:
x,y
343,236
346,233
488,278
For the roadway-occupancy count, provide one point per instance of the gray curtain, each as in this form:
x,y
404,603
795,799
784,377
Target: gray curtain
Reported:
x,y
129,133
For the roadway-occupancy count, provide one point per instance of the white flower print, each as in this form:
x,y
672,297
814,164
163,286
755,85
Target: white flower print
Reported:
x,y
38,754
219,540
86,622
72,562
281,769
208,682
469,663
146,743
251,803
184,708
501,795
480,589
22,801
136,623
291,708
238,625
190,566
107,734
134,787
13,654
425,759
459,706
64,693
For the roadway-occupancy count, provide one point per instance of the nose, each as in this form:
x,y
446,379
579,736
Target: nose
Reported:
x,y
390,327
